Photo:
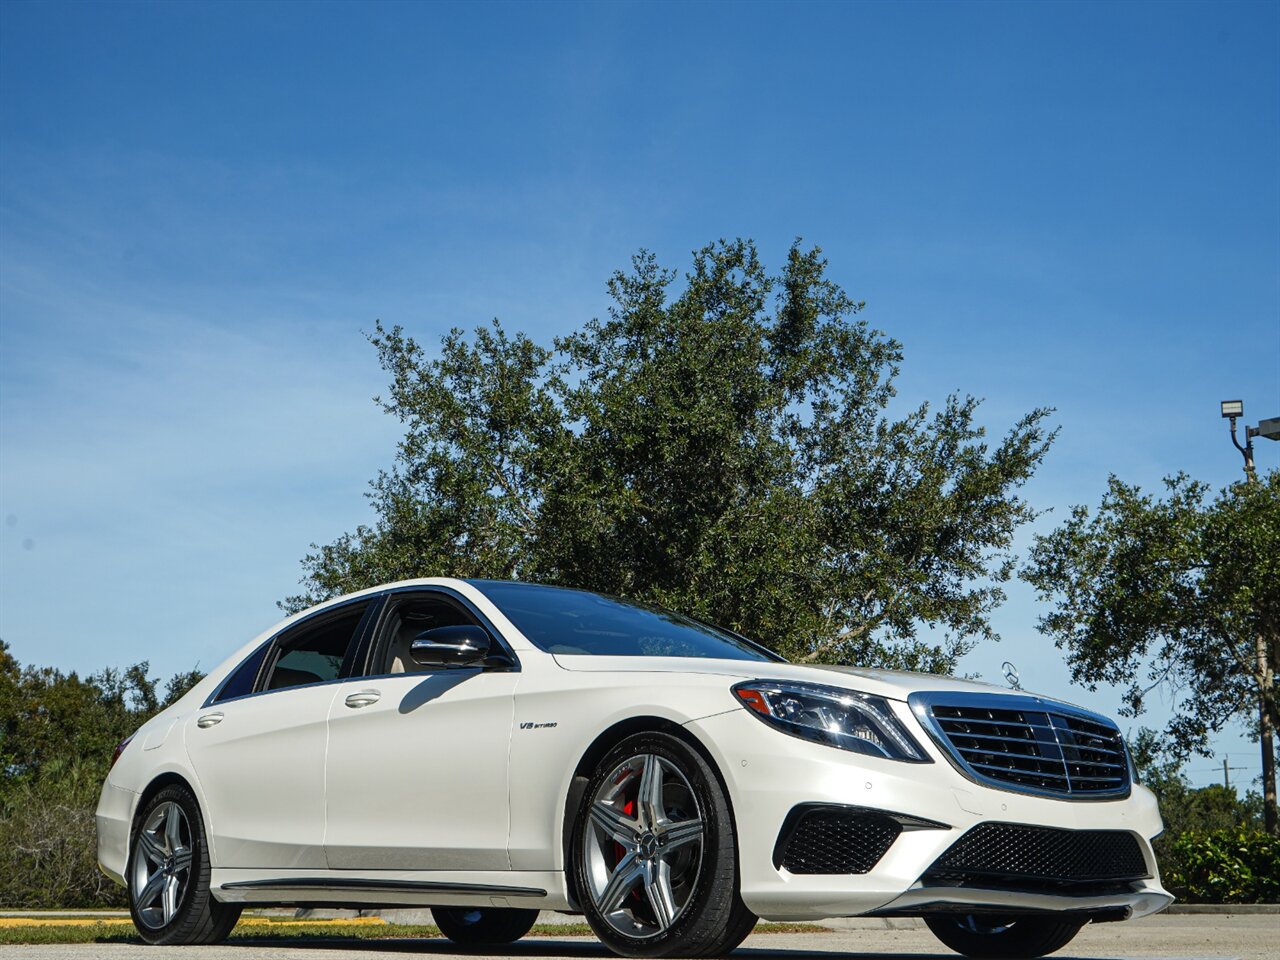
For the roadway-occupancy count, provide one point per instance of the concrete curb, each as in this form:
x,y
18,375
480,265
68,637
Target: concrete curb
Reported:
x,y
55,914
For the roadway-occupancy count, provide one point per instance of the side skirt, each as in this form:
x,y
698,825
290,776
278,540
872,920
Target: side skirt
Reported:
x,y
414,888
359,889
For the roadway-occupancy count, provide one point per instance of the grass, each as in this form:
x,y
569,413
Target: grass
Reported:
x,y
16,930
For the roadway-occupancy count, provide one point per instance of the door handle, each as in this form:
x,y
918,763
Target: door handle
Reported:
x,y
363,698
209,720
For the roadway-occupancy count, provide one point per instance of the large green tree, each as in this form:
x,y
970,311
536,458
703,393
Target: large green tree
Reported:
x,y
721,446
1179,593
48,717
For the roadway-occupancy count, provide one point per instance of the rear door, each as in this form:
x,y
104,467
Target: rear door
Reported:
x,y
258,745
417,772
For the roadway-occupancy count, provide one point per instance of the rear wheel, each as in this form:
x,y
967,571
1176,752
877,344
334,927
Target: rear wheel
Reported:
x,y
1018,938
480,926
168,874
654,853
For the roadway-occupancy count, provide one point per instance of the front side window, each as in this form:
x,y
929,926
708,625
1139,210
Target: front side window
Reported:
x,y
408,619
574,622
315,652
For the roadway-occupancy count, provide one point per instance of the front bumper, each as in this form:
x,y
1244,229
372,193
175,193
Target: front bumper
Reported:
x,y
769,773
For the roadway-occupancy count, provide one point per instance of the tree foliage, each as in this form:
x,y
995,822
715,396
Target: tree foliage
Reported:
x,y
57,734
1184,808
47,716
1170,593
1176,593
720,446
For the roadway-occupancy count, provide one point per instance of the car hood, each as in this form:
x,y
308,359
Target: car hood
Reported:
x,y
895,684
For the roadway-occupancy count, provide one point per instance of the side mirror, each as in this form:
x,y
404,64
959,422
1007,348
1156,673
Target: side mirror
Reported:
x,y
459,646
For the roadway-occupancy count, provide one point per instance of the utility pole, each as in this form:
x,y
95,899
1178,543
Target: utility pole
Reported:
x,y
1226,772
1265,678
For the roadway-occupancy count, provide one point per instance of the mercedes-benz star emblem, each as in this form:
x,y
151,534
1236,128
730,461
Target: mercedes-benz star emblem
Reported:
x,y
1011,674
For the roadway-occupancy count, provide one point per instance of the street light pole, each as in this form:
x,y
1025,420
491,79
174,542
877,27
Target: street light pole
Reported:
x,y
1270,429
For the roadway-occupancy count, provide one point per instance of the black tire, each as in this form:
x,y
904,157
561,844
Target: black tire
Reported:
x,y
712,919
198,917
1017,938
483,926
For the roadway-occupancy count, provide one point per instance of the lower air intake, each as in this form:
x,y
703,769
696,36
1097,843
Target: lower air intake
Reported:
x,y
1011,855
817,840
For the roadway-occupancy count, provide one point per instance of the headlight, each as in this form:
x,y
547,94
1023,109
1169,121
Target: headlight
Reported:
x,y
831,715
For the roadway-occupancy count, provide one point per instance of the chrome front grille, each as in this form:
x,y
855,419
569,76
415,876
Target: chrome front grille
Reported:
x,y
1027,744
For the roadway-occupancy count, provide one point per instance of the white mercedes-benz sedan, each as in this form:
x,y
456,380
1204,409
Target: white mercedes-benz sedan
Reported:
x,y
491,749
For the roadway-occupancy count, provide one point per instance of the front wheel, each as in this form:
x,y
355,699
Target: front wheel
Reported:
x,y
1020,938
168,874
654,854
483,926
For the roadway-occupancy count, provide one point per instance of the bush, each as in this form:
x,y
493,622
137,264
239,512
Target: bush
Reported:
x,y
48,843
1235,865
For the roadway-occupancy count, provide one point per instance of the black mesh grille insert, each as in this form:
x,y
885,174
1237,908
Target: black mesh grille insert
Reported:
x,y
835,841
1004,854
1038,749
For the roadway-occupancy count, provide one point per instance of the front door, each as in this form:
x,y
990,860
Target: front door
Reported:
x,y
416,776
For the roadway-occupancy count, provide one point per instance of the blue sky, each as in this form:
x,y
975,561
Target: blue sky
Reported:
x,y
203,206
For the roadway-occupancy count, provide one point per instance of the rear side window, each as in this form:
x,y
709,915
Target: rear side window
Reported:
x,y
316,651
241,682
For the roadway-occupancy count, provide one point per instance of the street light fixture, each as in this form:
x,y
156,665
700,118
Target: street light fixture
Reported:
x,y
1267,429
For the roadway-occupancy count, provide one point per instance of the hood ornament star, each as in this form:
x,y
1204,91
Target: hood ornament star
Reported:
x,y
1011,675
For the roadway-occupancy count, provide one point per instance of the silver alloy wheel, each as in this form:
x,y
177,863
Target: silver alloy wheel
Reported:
x,y
161,865
642,845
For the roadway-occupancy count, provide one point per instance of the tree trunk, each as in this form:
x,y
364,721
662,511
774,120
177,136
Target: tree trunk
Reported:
x,y
1266,735
1269,776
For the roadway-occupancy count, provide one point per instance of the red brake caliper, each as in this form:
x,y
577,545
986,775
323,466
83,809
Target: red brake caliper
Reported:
x,y
619,851
629,808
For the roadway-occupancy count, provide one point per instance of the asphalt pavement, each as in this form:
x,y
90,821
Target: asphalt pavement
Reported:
x,y
1167,937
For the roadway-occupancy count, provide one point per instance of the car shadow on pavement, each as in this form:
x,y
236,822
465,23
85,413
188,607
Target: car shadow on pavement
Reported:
x,y
539,947
576,947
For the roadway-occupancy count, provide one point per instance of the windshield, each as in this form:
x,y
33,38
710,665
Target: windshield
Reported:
x,y
577,623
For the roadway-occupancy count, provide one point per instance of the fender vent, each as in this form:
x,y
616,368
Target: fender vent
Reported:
x,y
824,840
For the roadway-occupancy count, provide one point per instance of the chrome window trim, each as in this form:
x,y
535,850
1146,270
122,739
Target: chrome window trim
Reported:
x,y
921,703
